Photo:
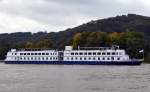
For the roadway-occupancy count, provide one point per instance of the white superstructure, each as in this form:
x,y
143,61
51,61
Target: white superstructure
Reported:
x,y
32,55
82,56
100,54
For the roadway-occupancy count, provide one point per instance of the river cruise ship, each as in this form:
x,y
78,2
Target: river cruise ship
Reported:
x,y
81,56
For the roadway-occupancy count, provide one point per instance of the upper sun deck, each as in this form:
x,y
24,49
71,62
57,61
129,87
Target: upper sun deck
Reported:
x,y
115,47
32,49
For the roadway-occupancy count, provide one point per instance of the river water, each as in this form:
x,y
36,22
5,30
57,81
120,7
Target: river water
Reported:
x,y
74,78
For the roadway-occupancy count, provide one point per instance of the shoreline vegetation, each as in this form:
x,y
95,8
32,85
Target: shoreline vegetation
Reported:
x,y
132,42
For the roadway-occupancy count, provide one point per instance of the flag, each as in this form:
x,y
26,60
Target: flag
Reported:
x,y
141,51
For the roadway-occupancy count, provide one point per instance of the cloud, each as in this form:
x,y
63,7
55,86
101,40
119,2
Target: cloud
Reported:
x,y
56,15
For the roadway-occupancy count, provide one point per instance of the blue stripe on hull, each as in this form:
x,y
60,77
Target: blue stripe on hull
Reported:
x,y
76,62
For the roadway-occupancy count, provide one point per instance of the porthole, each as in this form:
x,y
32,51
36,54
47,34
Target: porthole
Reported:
x,y
71,58
103,58
118,58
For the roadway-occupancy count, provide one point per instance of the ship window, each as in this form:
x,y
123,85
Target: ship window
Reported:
x,y
67,58
47,53
76,53
109,48
108,53
85,53
31,58
28,58
80,58
76,58
93,58
98,53
39,58
56,58
43,58
50,58
35,53
43,53
84,58
94,53
108,58
47,58
21,58
21,53
28,53
113,53
89,58
118,58
71,58
24,53
72,53
15,53
32,53
98,58
35,58
12,53
55,53
80,53
89,53
103,53
39,53
103,58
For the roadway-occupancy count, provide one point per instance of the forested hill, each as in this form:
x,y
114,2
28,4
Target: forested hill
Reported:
x,y
130,22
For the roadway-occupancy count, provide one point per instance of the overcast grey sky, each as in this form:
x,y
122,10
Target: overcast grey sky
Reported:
x,y
56,15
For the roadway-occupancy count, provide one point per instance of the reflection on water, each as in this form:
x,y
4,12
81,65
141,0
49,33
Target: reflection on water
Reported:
x,y
74,78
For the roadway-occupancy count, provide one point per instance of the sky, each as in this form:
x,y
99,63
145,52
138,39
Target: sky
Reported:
x,y
57,15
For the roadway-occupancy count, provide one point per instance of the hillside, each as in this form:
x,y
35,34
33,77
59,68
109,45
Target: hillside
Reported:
x,y
130,22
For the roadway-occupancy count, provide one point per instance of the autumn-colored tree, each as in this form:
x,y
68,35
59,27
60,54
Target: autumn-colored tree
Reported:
x,y
131,41
76,40
45,43
29,45
113,38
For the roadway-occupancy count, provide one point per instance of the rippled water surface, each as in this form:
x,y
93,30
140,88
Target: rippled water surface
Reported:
x,y
74,78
